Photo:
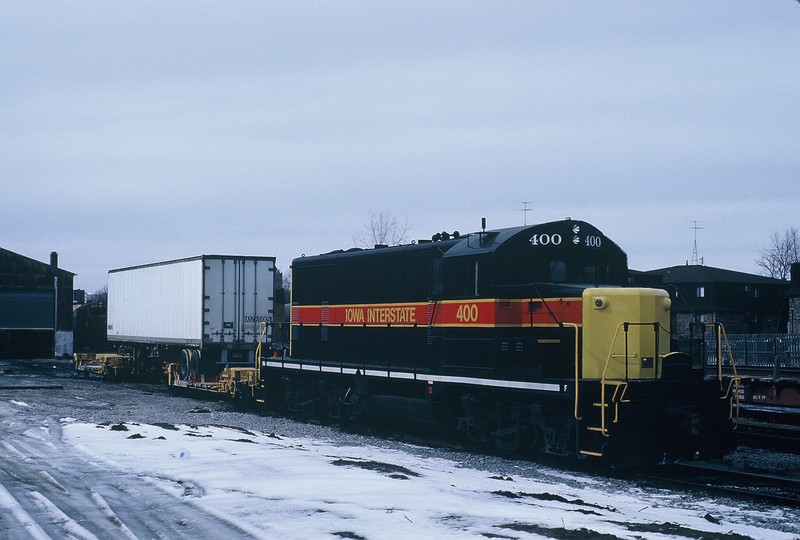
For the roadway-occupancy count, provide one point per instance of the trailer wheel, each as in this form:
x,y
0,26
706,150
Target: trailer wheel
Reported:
x,y
184,365
194,362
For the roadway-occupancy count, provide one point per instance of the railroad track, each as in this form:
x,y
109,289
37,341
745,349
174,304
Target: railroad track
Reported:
x,y
784,438
775,428
769,414
720,479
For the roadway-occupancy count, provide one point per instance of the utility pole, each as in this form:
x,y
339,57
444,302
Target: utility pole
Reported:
x,y
55,317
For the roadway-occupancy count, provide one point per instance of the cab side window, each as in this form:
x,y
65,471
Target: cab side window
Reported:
x,y
558,271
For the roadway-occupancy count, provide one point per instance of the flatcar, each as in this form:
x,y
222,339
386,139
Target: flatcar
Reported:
x,y
526,339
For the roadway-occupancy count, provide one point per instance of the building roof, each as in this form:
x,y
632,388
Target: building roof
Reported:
x,y
695,273
7,255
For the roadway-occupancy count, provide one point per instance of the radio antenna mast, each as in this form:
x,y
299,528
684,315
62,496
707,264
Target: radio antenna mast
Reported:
x,y
525,211
696,227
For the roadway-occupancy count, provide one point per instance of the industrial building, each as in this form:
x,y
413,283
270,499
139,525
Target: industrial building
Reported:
x,y
35,307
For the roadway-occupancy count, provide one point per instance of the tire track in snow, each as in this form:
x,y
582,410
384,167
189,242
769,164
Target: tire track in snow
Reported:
x,y
26,526
110,514
72,528
50,491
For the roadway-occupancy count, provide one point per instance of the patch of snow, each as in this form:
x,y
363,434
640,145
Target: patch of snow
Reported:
x,y
307,488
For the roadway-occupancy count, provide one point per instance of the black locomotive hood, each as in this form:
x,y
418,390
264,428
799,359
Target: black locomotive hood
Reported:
x,y
566,234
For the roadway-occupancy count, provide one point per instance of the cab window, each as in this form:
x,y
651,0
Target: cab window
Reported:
x,y
558,271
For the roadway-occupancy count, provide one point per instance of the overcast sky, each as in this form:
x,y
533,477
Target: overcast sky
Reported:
x,y
134,132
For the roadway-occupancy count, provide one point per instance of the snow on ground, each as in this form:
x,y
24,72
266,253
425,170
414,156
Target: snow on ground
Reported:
x,y
18,403
278,487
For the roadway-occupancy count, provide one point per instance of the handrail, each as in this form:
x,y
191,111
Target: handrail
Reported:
x,y
736,380
577,371
732,391
656,357
730,353
602,378
603,429
611,352
262,331
660,358
618,384
615,400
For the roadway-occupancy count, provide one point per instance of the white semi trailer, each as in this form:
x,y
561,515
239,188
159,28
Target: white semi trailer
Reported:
x,y
201,313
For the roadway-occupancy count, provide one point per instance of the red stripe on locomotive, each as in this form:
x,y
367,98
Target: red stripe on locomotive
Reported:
x,y
481,313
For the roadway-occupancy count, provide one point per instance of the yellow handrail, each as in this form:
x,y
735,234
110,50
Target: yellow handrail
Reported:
x,y
611,353
618,384
615,401
603,429
730,353
735,381
732,391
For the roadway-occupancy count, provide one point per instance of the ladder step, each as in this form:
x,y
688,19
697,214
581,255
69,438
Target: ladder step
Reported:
x,y
593,428
600,404
590,453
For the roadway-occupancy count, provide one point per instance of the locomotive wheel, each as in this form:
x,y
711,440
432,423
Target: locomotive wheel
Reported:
x,y
536,440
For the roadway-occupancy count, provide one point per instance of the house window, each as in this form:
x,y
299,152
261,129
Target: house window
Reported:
x,y
752,292
701,292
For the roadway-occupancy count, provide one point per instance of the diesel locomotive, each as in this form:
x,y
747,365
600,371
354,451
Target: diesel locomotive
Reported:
x,y
526,339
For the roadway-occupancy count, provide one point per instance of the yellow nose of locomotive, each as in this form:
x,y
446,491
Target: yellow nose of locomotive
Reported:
x,y
625,332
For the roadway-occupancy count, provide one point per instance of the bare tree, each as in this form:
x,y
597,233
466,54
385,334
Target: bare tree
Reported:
x,y
784,250
382,228
100,295
284,280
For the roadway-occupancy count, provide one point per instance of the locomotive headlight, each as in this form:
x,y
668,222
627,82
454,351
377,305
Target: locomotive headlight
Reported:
x,y
667,303
600,302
